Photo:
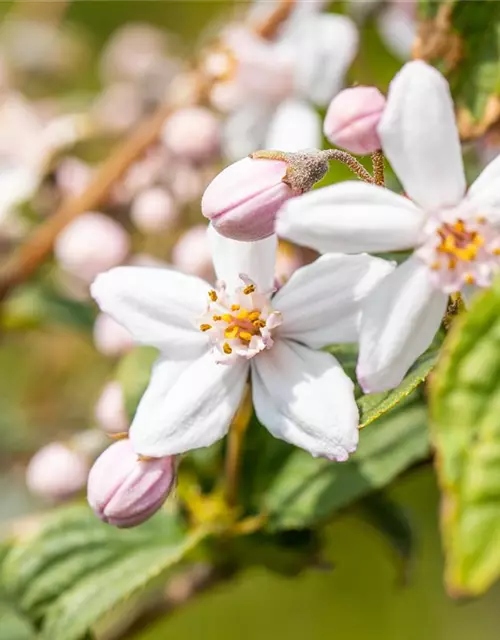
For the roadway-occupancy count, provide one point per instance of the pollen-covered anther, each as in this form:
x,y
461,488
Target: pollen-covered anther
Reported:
x,y
250,288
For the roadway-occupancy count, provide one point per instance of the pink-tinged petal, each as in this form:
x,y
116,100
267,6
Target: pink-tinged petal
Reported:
x,y
158,307
399,321
351,217
321,303
253,259
483,197
242,200
305,398
187,405
295,126
420,137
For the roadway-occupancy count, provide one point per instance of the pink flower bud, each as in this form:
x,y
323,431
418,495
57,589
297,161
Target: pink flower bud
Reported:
x,y
110,338
124,490
186,183
91,244
154,210
192,255
57,472
110,411
192,133
352,119
243,200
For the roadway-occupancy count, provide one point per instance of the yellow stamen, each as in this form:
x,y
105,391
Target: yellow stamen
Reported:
x,y
249,289
243,314
217,318
205,327
226,348
246,336
259,323
212,295
255,315
227,317
469,279
231,331
235,307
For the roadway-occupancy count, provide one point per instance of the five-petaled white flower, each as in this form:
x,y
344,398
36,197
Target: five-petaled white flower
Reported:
x,y
211,339
455,233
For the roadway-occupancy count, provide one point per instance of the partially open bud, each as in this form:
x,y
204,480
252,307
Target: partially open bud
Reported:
x,y
124,490
56,472
352,119
243,200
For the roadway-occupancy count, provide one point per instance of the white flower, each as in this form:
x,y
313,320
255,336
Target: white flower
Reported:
x,y
455,234
270,87
210,340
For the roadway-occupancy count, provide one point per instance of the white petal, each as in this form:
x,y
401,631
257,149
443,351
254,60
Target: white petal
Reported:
x,y
245,130
351,217
484,193
187,405
420,138
254,259
158,306
325,46
304,397
321,302
295,126
397,26
399,321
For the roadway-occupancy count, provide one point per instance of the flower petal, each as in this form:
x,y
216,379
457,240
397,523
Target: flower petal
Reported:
x,y
294,126
254,259
187,405
420,138
321,303
399,320
159,307
351,217
304,397
245,130
325,46
483,196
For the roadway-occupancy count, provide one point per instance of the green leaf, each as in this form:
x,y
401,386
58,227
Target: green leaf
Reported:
x,y
133,374
375,405
77,569
465,429
14,626
307,490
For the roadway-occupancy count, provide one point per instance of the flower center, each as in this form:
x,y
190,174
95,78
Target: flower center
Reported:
x,y
239,325
461,252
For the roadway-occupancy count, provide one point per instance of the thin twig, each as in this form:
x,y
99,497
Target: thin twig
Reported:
x,y
353,164
26,260
378,167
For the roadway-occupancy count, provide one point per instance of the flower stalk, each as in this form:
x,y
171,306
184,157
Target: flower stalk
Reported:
x,y
378,167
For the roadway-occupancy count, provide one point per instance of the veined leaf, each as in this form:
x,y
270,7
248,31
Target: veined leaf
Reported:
x,y
77,569
465,429
307,490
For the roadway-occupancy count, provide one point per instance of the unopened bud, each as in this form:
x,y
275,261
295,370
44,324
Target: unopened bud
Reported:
x,y
352,119
192,133
243,200
91,244
110,411
124,490
191,253
57,472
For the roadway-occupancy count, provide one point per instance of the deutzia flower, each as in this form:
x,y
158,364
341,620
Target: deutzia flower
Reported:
x,y
210,340
455,233
268,87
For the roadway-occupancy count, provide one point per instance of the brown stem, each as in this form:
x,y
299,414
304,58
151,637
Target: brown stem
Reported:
x,y
353,164
25,261
378,167
234,444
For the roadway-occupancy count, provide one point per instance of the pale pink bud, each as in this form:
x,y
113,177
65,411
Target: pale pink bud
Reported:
x,y
154,210
186,183
191,253
118,107
352,119
110,411
192,133
57,472
243,200
124,490
73,176
110,338
91,244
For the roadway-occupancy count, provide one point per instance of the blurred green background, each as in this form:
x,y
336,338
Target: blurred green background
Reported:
x,y
51,377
